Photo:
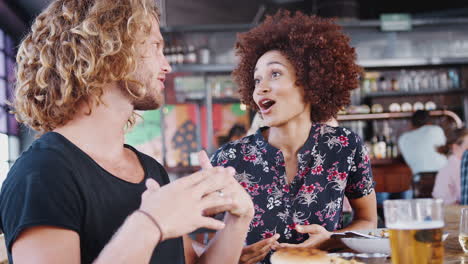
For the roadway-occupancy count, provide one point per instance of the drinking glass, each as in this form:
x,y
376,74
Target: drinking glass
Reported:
x,y
415,228
463,236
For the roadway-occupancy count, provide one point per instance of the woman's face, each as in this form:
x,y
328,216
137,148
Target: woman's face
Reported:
x,y
276,94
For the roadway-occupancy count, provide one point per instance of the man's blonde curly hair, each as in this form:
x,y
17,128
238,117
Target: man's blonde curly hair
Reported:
x,y
73,49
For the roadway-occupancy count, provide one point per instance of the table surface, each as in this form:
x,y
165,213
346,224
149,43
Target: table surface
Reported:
x,y
453,252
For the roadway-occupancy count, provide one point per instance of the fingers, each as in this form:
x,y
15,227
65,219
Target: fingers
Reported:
x,y
257,258
258,251
199,176
310,229
151,184
192,179
211,223
291,245
261,244
218,179
204,160
218,209
213,203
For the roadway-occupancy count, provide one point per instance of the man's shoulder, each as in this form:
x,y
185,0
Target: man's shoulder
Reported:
x,y
434,129
42,154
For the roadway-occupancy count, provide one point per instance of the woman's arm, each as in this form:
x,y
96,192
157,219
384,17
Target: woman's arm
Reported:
x,y
365,213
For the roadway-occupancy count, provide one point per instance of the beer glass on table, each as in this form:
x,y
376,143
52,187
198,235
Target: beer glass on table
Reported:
x,y
415,228
463,236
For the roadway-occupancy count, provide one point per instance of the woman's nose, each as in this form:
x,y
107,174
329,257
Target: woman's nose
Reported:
x,y
263,87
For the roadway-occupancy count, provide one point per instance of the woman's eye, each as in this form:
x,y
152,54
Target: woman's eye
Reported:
x,y
275,74
256,82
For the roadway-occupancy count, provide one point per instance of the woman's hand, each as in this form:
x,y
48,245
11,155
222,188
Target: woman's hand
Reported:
x,y
318,235
257,252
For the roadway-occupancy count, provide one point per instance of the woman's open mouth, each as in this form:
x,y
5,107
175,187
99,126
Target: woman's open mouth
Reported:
x,y
266,105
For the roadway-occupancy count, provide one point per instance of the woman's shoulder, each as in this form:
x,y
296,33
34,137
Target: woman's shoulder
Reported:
x,y
237,144
342,134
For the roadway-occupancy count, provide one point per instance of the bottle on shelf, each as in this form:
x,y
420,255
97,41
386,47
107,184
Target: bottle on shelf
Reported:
x,y
204,55
373,147
395,151
179,59
190,57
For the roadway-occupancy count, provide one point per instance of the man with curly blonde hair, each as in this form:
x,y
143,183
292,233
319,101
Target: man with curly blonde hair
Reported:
x,y
78,194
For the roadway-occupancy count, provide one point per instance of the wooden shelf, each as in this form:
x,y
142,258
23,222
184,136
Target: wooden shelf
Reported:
x,y
398,115
413,93
377,63
203,68
379,162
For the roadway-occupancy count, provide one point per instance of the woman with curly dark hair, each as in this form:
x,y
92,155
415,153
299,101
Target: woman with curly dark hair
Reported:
x,y
297,71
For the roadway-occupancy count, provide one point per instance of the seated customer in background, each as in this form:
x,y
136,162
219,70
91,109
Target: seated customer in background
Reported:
x,y
447,183
419,145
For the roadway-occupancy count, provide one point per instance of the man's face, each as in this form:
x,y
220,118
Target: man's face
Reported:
x,y
151,69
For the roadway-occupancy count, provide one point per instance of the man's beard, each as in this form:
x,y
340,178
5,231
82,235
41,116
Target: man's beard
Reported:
x,y
151,99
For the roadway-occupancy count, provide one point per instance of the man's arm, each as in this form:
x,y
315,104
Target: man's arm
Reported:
x,y
47,244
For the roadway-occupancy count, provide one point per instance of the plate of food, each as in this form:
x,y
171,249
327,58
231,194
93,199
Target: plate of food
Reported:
x,y
379,243
309,256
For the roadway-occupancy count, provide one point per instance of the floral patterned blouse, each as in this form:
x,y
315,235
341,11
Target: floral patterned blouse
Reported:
x,y
332,163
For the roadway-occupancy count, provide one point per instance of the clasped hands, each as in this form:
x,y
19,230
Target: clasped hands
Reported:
x,y
186,204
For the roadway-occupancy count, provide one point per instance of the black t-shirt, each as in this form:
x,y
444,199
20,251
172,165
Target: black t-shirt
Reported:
x,y
55,183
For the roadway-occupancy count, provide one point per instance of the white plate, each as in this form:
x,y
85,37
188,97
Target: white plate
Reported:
x,y
372,245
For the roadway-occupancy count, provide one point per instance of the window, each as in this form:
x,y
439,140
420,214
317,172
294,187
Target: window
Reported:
x,y
9,132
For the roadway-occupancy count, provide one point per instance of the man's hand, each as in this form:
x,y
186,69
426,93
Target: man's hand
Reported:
x,y
257,252
181,207
242,202
318,235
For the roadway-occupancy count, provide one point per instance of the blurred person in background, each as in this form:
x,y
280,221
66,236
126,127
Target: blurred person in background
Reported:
x,y
419,147
79,194
236,132
447,183
297,71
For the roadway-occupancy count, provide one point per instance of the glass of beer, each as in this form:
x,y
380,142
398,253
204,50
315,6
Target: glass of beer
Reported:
x,y
415,228
463,236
